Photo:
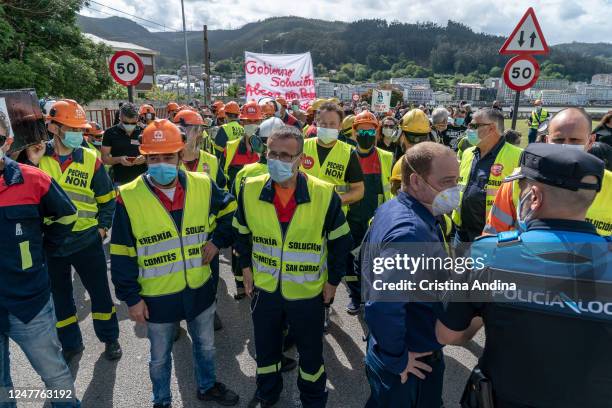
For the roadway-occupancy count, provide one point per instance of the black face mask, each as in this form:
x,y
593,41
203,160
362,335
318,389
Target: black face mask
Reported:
x,y
365,141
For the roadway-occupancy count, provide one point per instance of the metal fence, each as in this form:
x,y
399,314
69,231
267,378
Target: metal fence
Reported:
x,y
106,117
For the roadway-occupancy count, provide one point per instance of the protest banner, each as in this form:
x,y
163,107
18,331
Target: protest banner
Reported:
x,y
381,100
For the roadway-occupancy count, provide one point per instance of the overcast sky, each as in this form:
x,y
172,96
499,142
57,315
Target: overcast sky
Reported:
x,y
561,20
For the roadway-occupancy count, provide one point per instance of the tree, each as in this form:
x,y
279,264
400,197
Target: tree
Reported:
x,y
158,94
233,90
43,47
495,72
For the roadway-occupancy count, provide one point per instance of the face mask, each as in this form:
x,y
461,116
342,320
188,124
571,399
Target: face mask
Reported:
x,y
128,127
72,140
472,137
446,201
575,147
295,108
207,122
366,140
279,170
250,130
327,135
388,132
522,220
459,121
257,144
97,143
162,173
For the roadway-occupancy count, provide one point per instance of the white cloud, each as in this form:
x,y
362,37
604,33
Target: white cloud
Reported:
x,y
561,20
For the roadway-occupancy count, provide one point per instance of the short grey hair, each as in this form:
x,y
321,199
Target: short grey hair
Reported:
x,y
288,132
494,116
439,115
129,110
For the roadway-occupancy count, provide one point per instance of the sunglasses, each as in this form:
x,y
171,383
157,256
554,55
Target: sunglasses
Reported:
x,y
366,132
475,126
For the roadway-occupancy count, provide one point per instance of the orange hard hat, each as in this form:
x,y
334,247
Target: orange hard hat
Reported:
x,y
267,109
161,136
188,117
232,108
217,104
146,108
282,101
250,111
172,106
365,117
221,113
69,113
95,130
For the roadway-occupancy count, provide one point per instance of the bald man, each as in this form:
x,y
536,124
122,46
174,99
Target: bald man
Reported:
x,y
570,128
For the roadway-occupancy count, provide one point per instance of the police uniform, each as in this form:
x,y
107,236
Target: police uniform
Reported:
x,y
291,260
548,340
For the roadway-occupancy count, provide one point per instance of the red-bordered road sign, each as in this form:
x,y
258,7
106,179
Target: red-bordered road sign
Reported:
x,y
126,67
526,38
521,72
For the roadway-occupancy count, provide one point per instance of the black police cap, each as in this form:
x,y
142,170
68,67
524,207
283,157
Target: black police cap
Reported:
x,y
559,166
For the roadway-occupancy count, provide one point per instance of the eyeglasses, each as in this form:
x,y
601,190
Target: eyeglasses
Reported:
x,y
284,157
475,126
388,126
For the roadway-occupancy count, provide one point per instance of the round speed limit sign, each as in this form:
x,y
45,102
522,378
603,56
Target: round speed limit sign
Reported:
x,y
521,72
126,67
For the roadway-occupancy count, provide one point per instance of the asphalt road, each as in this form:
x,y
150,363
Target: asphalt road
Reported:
x,y
126,383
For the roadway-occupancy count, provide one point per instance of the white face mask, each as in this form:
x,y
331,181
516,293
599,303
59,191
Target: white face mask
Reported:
x,y
446,201
249,130
327,135
388,132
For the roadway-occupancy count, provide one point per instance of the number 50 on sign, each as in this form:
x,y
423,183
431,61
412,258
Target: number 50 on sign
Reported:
x,y
521,72
127,68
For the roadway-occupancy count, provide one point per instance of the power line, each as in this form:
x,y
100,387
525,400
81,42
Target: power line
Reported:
x,y
134,16
114,15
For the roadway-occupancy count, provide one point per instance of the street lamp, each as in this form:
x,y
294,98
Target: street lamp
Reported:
x,y
186,52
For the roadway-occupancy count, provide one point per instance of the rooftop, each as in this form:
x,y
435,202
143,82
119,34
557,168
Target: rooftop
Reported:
x,y
118,45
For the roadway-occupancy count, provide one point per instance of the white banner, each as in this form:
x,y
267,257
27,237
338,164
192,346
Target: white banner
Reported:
x,y
381,100
279,75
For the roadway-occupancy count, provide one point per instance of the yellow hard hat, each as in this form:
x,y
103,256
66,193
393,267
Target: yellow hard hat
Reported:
x,y
318,103
396,173
347,123
415,121
334,100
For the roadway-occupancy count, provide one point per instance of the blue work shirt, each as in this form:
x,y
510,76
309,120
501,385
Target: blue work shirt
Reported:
x,y
397,327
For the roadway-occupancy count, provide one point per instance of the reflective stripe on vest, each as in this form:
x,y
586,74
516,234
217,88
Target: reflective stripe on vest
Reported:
x,y
507,159
168,259
536,120
600,212
298,260
233,130
76,182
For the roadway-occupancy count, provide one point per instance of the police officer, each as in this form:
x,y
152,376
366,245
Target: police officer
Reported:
x,y
167,231
537,117
481,171
81,174
570,128
552,312
292,236
27,198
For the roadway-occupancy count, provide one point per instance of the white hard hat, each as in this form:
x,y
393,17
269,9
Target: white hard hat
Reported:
x,y
267,126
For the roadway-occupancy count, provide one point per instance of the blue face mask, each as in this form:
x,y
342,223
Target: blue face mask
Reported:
x,y
279,170
72,140
459,121
472,137
163,173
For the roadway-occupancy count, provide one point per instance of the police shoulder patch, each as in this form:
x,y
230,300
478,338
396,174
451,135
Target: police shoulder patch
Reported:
x,y
506,237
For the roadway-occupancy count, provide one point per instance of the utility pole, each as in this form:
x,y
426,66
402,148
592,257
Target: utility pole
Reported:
x,y
186,53
208,98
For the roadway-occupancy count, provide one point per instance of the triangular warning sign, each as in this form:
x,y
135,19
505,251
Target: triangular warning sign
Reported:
x,y
527,37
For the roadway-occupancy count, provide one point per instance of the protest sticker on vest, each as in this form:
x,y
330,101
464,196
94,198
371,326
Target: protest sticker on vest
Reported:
x,y
289,76
308,162
496,169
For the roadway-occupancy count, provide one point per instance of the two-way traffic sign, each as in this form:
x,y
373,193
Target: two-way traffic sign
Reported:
x,y
527,37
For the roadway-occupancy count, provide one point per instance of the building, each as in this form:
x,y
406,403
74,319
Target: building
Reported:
x,y
146,55
602,79
406,82
556,97
560,84
467,92
419,94
598,94
442,98
493,83
488,94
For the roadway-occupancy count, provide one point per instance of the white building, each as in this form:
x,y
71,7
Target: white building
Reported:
x,y
598,94
406,82
602,79
442,98
467,92
419,94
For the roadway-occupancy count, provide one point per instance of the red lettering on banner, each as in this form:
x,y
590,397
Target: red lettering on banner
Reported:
x,y
252,67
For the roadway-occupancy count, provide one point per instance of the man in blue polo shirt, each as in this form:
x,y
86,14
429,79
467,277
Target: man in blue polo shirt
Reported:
x,y
402,344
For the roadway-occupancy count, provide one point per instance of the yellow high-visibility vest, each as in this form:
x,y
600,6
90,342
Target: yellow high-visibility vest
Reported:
x,y
207,163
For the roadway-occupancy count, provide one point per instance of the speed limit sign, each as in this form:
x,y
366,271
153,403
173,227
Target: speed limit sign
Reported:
x,y
126,67
521,72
